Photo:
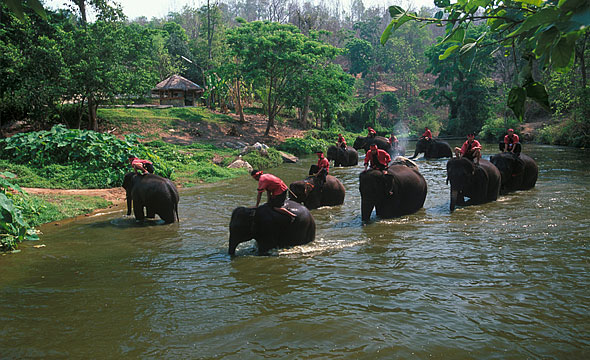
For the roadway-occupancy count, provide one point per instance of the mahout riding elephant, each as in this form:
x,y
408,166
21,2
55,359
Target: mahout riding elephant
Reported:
x,y
157,194
269,228
402,191
343,157
519,172
480,183
316,191
366,142
432,149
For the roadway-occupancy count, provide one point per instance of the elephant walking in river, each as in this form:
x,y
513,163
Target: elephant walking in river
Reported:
x,y
432,149
343,157
269,228
519,172
402,191
316,191
152,192
480,183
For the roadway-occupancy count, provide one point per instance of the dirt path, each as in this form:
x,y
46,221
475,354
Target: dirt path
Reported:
x,y
114,195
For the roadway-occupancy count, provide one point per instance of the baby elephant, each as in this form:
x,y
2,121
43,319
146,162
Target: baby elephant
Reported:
x,y
157,194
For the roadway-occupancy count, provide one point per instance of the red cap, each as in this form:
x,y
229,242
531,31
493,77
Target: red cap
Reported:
x,y
511,130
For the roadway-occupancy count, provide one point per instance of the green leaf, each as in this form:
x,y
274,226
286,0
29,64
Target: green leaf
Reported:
x,y
448,52
387,32
536,3
545,41
395,10
542,17
538,93
457,35
562,55
38,8
467,54
516,100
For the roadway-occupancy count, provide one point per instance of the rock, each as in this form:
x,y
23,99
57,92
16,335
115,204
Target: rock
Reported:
x,y
288,158
239,163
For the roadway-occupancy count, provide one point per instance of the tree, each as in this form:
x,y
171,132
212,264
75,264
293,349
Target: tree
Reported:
x,y
462,85
271,56
543,30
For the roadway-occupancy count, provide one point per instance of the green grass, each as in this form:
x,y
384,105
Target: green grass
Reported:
x,y
42,209
128,120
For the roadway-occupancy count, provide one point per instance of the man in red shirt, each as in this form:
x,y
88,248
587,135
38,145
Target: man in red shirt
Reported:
x,y
427,134
471,149
511,142
275,189
341,142
141,166
377,158
323,163
371,131
393,142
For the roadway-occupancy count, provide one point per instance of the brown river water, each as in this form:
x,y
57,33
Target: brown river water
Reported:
x,y
505,280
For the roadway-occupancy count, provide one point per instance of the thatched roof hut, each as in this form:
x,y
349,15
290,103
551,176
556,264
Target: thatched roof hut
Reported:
x,y
178,91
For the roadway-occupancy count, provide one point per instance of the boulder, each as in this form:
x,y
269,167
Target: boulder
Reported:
x,y
288,158
239,163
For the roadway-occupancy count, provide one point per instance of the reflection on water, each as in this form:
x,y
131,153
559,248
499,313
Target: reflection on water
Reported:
x,y
508,277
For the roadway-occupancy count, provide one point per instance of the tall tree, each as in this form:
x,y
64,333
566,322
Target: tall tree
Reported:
x,y
271,56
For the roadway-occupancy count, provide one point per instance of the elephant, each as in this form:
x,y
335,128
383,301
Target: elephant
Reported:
x,y
432,149
402,191
157,194
366,142
481,183
270,228
316,191
343,157
519,172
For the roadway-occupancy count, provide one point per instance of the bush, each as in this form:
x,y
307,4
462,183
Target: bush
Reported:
x,y
568,133
13,227
416,125
259,161
494,129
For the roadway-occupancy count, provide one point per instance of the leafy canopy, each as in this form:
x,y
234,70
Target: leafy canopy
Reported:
x,y
545,30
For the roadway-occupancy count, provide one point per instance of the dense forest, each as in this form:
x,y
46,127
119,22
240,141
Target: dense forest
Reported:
x,y
323,65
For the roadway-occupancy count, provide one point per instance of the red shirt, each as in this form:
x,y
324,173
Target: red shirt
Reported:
x,y
392,140
272,184
341,140
427,134
324,163
136,161
514,139
469,147
382,156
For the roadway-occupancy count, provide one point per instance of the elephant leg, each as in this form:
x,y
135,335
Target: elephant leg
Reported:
x,y
167,216
151,213
138,210
366,209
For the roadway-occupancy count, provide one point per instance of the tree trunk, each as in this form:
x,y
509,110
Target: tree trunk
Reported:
x,y
305,112
239,107
92,119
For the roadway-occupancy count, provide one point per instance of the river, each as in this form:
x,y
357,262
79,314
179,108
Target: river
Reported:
x,y
508,279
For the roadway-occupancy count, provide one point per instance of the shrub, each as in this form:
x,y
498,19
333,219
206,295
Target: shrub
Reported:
x,y
494,129
258,161
13,227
